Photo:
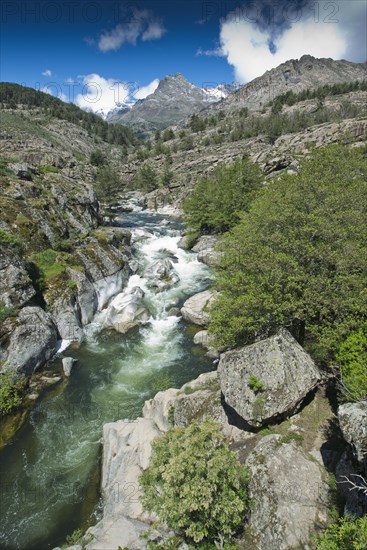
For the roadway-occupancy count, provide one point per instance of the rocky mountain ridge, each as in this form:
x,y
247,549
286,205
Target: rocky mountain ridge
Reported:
x,y
296,75
174,99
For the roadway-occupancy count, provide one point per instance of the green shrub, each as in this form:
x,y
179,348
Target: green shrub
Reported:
x,y
349,533
97,158
352,357
11,389
5,312
195,484
255,384
217,201
298,258
47,168
9,241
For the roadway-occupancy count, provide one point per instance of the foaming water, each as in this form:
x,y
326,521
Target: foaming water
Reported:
x,y
49,471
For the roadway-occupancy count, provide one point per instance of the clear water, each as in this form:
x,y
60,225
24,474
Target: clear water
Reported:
x,y
49,474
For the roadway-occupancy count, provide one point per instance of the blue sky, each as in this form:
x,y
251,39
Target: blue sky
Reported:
x,y
78,46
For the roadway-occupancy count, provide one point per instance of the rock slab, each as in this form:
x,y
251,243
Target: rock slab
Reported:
x,y
285,371
290,496
195,309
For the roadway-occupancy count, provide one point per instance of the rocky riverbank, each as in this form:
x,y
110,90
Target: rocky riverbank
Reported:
x,y
290,456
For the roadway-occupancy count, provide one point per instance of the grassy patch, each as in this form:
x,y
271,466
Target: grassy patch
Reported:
x,y
289,437
50,263
11,389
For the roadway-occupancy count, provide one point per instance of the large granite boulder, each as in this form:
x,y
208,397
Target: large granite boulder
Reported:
x,y
161,274
353,423
268,380
195,309
290,496
126,311
207,251
126,453
33,342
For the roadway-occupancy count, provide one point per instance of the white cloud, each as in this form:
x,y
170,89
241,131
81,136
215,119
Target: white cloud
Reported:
x,y
245,44
142,24
101,95
144,91
47,72
55,90
215,52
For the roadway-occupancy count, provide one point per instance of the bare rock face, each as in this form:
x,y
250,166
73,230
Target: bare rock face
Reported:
x,y
290,496
194,401
33,342
267,380
353,423
16,288
195,308
24,170
126,453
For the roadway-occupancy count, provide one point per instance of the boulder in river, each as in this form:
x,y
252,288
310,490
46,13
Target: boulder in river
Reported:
x,y
195,308
126,311
161,274
268,380
68,364
290,496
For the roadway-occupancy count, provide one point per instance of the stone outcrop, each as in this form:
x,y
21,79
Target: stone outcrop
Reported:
x,y
126,311
206,250
290,496
195,309
31,342
67,365
202,338
16,288
268,380
353,423
126,453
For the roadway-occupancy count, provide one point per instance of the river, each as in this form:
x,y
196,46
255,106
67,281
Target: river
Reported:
x,y
49,471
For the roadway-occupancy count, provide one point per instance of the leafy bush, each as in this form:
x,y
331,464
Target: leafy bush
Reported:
x,y
349,533
11,388
5,312
255,384
217,201
195,484
9,241
298,258
97,158
352,357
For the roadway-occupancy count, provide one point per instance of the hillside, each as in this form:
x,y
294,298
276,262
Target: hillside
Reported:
x,y
276,138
